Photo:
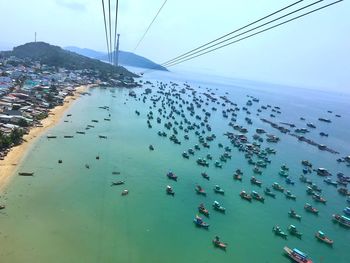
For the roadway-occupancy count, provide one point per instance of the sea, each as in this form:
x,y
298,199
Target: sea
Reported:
x,y
70,211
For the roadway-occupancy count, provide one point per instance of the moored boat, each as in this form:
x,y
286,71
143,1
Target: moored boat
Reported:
x,y
203,210
245,195
294,231
253,180
218,190
125,192
346,210
289,195
219,244
293,214
319,198
205,176
278,232
26,173
342,220
200,190
310,209
322,237
257,196
169,190
297,256
118,183
198,221
218,207
277,187
172,176
268,192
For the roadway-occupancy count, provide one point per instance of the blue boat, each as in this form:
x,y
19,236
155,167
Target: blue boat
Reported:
x,y
198,221
346,210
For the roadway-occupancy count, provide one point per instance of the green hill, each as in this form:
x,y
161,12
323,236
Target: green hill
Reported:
x,y
57,57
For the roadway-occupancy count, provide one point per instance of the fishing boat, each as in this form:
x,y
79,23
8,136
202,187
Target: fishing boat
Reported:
x,y
151,147
218,207
278,232
284,167
245,195
310,191
172,176
289,181
293,214
200,190
253,180
346,210
342,220
257,196
118,183
277,187
205,176
26,173
237,176
2,207
283,173
310,209
268,192
328,180
319,198
344,191
203,210
198,221
218,190
294,231
306,163
185,155
322,237
256,170
219,244
297,256
289,195
169,190
217,164
125,192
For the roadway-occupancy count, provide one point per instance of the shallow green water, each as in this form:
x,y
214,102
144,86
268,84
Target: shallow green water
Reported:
x,y
68,213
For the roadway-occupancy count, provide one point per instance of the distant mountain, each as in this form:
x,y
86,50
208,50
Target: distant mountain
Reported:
x,y
58,57
125,58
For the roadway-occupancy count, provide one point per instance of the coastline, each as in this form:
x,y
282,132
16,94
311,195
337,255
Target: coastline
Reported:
x,y
9,165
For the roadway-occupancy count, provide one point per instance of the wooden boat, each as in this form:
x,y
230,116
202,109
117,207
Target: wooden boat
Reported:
x,y
258,197
319,198
198,221
185,155
125,192
245,196
203,210
268,192
293,214
219,244
118,183
237,176
294,231
289,195
172,176
218,207
200,190
310,209
278,232
253,180
344,191
283,173
2,207
277,187
297,256
289,181
322,237
26,173
329,181
218,190
169,190
342,220
205,176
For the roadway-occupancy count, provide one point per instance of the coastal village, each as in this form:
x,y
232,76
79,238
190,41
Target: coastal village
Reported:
x,y
29,89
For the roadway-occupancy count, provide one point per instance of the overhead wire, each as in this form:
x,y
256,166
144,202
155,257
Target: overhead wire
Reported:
x,y
110,31
104,18
150,25
115,33
232,32
259,32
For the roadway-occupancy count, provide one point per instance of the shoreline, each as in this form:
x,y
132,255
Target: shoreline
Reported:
x,y
10,163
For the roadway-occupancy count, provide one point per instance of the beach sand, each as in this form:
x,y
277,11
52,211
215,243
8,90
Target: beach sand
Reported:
x,y
16,154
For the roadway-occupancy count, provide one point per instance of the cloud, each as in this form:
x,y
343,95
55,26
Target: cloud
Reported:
x,y
72,5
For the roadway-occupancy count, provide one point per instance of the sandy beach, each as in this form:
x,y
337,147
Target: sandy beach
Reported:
x,y
16,154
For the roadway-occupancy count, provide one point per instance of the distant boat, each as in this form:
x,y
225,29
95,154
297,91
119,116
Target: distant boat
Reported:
x,y
26,173
322,237
219,244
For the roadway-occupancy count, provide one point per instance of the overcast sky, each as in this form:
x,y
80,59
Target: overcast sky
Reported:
x,y
311,52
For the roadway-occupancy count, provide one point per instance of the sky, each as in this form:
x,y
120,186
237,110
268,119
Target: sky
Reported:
x,y
311,52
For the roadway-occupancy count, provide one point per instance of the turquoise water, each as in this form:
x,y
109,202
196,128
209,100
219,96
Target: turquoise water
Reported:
x,y
68,213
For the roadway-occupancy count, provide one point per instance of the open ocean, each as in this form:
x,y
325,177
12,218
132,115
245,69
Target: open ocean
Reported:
x,y
68,213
